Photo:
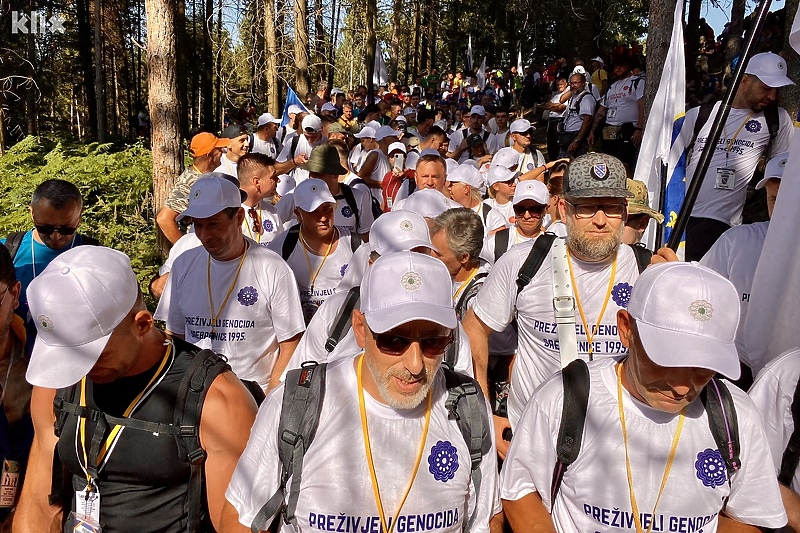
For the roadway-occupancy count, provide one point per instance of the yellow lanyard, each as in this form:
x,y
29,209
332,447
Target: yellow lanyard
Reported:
x,y
673,449
464,285
373,477
735,135
115,432
311,272
215,316
590,333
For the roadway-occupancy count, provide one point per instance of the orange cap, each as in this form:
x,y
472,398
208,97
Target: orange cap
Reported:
x,y
203,143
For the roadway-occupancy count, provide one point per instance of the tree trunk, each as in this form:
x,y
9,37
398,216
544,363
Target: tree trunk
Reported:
x,y
207,90
163,100
219,115
433,24
659,32
99,84
371,41
301,79
319,42
787,96
180,48
417,24
270,60
733,43
394,40
30,94
692,39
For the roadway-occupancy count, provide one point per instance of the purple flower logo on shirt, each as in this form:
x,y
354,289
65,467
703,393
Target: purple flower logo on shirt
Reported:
x,y
753,126
621,294
347,212
711,468
443,461
269,227
343,269
247,296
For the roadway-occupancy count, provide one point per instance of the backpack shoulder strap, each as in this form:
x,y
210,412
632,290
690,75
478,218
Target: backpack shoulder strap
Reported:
x,y
60,482
773,125
575,377
466,405
501,243
303,395
89,241
534,260
342,321
791,455
250,139
485,135
292,236
350,198
13,241
469,291
355,241
204,369
485,210
723,422
642,255
295,141
702,117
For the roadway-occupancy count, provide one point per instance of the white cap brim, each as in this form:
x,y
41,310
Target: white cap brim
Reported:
x,y
202,211
384,319
403,246
56,367
763,181
774,81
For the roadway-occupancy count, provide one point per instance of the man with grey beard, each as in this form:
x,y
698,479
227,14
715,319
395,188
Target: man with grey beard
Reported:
x,y
601,274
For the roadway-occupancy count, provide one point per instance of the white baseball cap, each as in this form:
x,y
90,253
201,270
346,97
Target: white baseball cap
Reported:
x,y
286,185
428,203
429,151
294,109
387,131
374,124
366,132
599,60
336,90
312,193
327,106
578,70
686,316
210,194
76,303
401,118
478,110
397,231
409,111
442,124
396,146
411,160
774,169
506,157
406,286
531,190
521,125
451,165
497,174
265,119
312,122
466,174
769,68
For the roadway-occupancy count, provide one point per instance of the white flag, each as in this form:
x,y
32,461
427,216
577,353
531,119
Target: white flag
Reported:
x,y
482,75
667,107
380,74
771,326
469,54
519,61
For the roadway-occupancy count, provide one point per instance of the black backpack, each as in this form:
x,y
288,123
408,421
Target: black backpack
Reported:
x,y
375,205
293,236
303,397
716,399
15,239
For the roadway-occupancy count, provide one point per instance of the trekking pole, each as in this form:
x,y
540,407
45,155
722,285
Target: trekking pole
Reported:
x,y
662,193
716,129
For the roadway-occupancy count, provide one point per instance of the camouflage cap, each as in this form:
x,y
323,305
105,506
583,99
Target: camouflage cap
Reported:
x,y
596,175
640,203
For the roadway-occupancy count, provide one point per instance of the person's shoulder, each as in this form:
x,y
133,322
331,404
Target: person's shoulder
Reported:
x,y
189,257
747,232
267,254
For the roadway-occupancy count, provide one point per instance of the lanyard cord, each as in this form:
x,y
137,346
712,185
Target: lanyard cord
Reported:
x,y
313,275
111,441
215,316
33,252
368,448
735,135
464,285
673,449
590,333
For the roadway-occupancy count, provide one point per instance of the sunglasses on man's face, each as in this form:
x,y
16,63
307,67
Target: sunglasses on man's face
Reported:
x,y
393,344
536,211
49,229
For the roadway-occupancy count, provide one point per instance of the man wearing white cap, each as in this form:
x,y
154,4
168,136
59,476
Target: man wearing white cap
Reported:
x,y
293,111
122,382
746,137
375,163
431,173
501,183
264,140
599,75
736,253
386,408
230,294
464,185
531,163
457,149
647,459
297,148
316,250
530,202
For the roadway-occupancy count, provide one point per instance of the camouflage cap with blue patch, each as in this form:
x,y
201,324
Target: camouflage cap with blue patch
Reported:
x,y
596,175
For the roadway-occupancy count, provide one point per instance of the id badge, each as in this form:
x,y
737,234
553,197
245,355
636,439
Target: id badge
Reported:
x,y
87,505
725,179
83,525
10,484
611,113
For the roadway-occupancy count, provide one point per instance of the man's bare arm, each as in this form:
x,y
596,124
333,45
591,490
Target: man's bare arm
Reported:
x,y
230,520
791,502
528,515
729,525
169,227
285,352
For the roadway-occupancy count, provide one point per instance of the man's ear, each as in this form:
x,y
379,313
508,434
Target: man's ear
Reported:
x,y
625,328
142,323
360,328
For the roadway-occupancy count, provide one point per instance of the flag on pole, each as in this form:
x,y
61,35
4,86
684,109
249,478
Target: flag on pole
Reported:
x,y
469,54
519,61
482,75
380,74
770,327
291,99
660,132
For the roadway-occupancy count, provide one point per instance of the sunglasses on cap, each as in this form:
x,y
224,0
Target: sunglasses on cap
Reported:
x,y
615,210
393,344
254,216
536,211
310,130
49,229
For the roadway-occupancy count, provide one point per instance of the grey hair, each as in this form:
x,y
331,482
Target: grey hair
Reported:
x,y
463,231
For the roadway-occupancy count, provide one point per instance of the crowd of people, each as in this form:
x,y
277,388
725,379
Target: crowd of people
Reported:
x,y
401,316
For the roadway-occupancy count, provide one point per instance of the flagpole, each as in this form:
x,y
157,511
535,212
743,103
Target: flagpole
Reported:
x,y
662,193
716,130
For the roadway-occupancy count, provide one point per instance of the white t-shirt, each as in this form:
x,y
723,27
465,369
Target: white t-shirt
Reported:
x,y
715,201
187,242
556,99
270,147
263,308
530,159
773,394
336,491
458,136
226,166
382,167
303,147
499,140
357,156
594,494
557,227
621,101
573,115
329,270
735,255
514,238
271,224
356,269
538,355
344,216
506,210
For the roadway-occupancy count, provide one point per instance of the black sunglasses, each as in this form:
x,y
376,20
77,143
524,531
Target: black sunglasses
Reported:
x,y
534,210
49,229
393,344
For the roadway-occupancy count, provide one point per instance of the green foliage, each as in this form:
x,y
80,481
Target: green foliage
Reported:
x,y
116,184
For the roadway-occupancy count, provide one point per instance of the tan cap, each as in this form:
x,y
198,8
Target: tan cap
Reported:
x,y
640,203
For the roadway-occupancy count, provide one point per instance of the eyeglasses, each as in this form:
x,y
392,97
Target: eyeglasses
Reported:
x,y
615,210
49,229
536,211
257,227
393,344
